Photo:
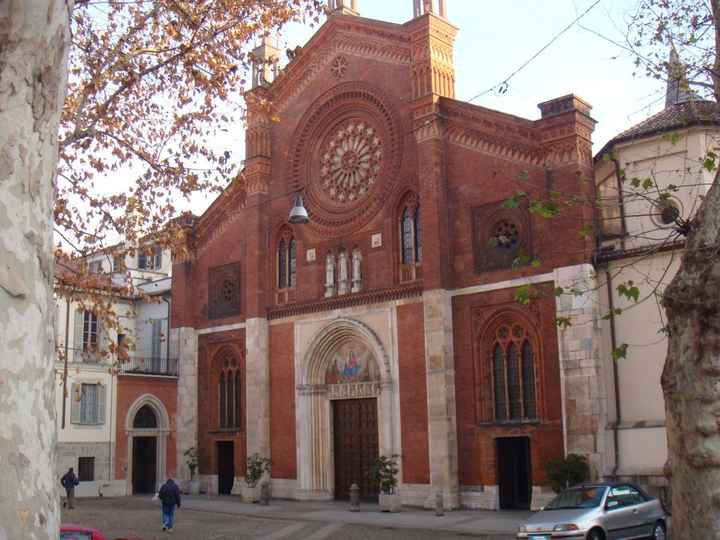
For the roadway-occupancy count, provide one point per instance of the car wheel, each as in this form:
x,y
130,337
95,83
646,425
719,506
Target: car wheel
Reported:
x,y
658,532
596,534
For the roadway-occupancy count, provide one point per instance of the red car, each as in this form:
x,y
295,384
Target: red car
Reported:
x,y
78,532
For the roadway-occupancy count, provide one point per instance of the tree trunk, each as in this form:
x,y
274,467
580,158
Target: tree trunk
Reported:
x,y
691,378
34,40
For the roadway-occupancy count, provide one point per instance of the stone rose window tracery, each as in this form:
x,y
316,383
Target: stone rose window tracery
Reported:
x,y
350,163
501,237
224,291
505,235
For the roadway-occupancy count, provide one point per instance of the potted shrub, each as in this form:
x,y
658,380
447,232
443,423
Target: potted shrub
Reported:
x,y
191,461
566,472
384,473
256,467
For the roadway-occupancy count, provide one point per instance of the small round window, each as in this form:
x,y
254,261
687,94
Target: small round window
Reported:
x,y
505,235
666,212
229,288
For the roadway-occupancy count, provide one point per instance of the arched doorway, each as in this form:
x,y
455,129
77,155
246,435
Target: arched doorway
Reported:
x,y
144,452
345,410
147,430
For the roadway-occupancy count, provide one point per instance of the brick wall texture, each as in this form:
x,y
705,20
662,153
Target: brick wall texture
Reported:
x,y
453,158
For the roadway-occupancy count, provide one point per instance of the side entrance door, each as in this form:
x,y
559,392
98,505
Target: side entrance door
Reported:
x,y
355,433
144,464
514,473
226,466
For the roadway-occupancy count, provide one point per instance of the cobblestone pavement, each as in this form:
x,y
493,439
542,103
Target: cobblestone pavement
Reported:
x,y
134,517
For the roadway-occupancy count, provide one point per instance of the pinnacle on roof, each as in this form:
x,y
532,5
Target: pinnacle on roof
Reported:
x,y
677,91
436,7
265,61
343,7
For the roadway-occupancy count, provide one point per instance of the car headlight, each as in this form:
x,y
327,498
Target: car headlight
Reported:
x,y
566,527
523,528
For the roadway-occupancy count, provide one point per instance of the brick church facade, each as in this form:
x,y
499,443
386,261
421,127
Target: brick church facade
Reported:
x,y
390,324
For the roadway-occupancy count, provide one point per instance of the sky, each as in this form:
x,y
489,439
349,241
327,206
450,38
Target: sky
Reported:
x,y
496,38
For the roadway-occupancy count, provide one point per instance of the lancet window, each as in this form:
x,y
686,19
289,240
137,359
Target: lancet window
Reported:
x,y
230,395
512,363
286,261
411,244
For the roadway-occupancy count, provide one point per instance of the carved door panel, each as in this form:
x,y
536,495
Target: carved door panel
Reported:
x,y
356,446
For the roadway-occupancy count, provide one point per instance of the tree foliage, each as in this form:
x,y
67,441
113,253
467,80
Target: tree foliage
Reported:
x,y
688,26
153,84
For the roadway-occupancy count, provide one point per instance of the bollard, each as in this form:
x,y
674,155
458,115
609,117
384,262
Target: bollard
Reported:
x,y
439,510
265,493
354,498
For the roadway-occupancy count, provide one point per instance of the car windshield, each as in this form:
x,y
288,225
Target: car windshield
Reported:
x,y
588,497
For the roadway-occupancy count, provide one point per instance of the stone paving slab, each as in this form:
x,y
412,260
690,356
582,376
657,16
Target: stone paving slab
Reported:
x,y
227,518
464,521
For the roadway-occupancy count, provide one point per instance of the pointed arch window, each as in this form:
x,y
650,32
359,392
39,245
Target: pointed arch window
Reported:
x,y
411,251
230,396
513,374
411,229
286,261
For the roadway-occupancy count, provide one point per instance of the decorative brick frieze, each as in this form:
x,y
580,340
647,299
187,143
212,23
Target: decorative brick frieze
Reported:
x,y
360,299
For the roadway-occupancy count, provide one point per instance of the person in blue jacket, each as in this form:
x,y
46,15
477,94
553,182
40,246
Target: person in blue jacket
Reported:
x,y
69,481
169,496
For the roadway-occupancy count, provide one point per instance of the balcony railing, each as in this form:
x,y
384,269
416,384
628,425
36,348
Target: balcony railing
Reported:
x,y
85,356
150,365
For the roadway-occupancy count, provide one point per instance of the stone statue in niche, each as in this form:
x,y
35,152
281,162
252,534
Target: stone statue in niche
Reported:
x,y
356,270
343,272
329,275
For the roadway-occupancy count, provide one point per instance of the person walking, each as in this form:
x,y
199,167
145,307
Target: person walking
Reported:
x,y
69,481
169,496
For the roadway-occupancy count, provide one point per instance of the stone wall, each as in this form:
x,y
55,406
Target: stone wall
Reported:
x,y
103,484
584,392
186,343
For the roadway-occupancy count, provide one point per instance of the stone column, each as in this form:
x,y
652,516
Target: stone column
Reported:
x,y
257,387
186,422
584,394
442,424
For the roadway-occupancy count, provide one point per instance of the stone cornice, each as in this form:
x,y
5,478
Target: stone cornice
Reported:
x,y
351,300
486,131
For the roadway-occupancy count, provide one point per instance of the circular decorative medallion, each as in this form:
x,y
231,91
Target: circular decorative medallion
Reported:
x,y
350,162
339,67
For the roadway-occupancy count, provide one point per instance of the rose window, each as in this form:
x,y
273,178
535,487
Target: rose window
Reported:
x,y
505,235
229,290
350,163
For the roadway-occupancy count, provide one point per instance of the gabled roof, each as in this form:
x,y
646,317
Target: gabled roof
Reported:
x,y
679,116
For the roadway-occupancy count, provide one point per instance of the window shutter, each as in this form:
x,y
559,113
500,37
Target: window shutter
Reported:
x,y
78,336
142,261
101,403
103,338
156,335
74,403
158,258
164,338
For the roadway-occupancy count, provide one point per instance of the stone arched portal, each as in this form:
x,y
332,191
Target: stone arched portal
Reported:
x,y
147,424
344,361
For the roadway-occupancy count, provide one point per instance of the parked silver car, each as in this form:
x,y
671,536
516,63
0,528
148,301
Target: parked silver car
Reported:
x,y
602,511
